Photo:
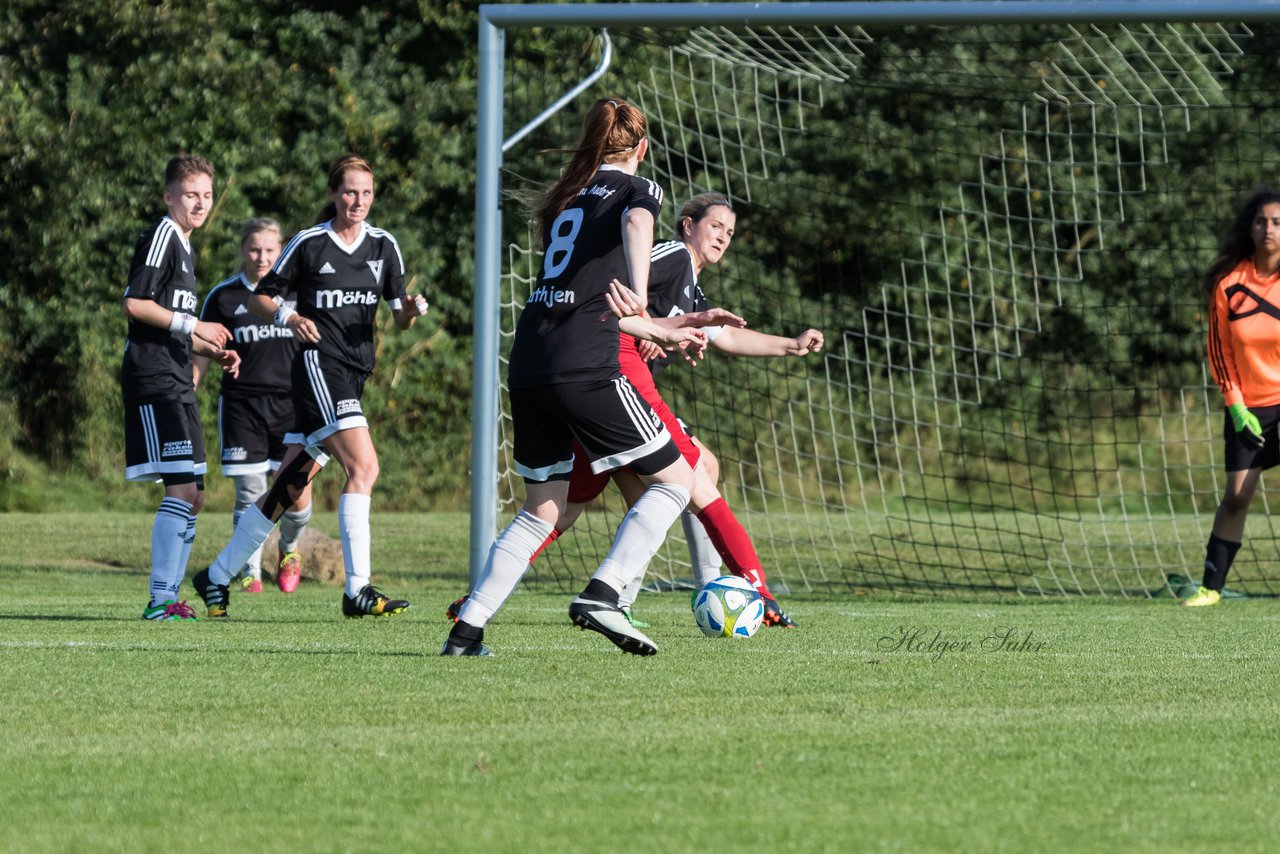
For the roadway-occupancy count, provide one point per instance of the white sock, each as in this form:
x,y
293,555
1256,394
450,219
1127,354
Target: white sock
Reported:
x,y
167,535
292,526
353,525
249,488
703,556
184,557
507,562
627,597
641,534
251,532
253,566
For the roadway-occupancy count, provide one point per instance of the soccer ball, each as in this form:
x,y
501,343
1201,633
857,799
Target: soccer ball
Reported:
x,y
728,607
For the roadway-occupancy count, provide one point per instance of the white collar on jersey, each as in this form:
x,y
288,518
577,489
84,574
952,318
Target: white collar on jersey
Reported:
x,y
610,167
244,280
349,249
182,238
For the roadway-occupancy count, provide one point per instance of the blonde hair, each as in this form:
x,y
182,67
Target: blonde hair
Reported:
x,y
257,225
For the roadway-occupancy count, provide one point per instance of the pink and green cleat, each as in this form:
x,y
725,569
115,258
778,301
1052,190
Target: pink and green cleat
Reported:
x,y
290,572
170,610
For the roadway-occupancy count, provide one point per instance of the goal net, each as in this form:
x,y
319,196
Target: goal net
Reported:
x,y
1001,232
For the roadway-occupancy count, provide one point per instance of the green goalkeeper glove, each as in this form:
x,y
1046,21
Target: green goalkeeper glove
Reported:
x,y
1247,426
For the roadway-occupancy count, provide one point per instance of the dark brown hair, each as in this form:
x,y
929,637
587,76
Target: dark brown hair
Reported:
x,y
340,167
183,166
610,133
1238,242
696,208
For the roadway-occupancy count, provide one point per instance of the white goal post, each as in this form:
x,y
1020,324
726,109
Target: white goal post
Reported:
x,y
496,19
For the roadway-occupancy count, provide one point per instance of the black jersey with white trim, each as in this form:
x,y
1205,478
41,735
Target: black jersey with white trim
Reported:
x,y
266,350
673,285
674,289
560,336
157,362
338,286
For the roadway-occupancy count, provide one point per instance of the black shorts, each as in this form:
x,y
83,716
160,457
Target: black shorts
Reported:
x,y
326,399
611,420
251,432
163,440
1239,456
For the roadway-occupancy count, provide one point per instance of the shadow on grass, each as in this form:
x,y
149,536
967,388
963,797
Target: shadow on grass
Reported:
x,y
73,618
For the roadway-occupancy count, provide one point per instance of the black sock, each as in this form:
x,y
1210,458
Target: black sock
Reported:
x,y
1218,556
598,591
463,634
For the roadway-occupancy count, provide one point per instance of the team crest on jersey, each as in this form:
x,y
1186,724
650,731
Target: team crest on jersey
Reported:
x,y
376,267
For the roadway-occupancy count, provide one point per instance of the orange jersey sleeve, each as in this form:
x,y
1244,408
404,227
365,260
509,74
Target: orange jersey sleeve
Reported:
x,y
1244,337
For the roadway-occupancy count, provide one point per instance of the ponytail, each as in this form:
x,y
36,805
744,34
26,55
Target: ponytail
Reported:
x,y
610,134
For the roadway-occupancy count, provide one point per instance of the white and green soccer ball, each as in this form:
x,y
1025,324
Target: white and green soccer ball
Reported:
x,y
728,607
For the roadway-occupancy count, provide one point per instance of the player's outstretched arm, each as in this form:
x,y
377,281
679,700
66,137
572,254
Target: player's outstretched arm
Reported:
x,y
748,342
689,341
710,317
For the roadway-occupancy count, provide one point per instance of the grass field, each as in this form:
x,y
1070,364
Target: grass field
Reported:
x,y
1006,726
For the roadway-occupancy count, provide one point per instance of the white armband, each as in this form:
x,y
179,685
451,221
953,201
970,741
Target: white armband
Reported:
x,y
283,313
183,324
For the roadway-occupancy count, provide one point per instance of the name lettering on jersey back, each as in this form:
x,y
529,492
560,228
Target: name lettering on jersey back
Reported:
x,y
184,301
337,298
598,190
250,334
551,296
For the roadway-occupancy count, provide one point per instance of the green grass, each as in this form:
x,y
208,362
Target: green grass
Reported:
x,y
1135,726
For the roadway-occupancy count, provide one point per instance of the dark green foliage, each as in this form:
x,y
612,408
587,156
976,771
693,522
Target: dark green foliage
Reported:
x,y
98,95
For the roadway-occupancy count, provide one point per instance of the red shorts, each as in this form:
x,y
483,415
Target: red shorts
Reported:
x,y
584,484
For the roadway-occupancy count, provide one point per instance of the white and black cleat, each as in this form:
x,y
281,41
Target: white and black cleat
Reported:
x,y
610,621
473,648
465,639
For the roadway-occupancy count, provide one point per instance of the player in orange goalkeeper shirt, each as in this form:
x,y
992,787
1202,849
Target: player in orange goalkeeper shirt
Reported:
x,y
1243,289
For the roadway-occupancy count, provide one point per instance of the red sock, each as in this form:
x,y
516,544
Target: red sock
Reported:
x,y
734,545
551,538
